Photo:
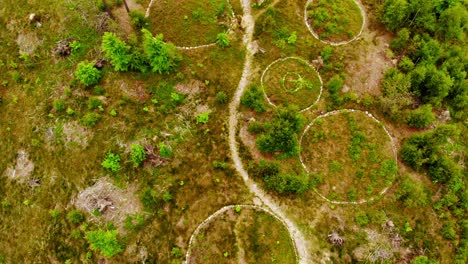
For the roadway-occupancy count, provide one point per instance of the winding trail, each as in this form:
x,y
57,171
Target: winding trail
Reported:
x,y
248,23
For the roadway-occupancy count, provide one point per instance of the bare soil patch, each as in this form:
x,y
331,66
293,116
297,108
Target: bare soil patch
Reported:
x,y
112,203
22,169
366,73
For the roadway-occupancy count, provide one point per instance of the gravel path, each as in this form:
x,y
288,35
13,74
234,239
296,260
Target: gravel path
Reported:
x,y
300,243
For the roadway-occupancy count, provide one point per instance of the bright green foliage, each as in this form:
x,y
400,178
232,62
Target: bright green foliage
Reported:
x,y
253,98
203,118
421,117
222,39
162,56
54,213
87,74
137,154
111,162
75,217
281,133
105,242
453,22
401,40
176,252
116,50
90,119
423,260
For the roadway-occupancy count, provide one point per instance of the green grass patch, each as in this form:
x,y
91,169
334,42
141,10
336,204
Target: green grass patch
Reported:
x,y
334,20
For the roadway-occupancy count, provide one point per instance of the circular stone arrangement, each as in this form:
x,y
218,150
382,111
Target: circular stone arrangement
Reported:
x,y
349,155
241,234
191,24
291,80
335,22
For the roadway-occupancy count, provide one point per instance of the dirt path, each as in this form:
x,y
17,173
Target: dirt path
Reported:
x,y
248,23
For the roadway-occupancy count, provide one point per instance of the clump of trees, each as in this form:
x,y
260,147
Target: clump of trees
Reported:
x,y
280,134
434,153
430,38
283,183
253,98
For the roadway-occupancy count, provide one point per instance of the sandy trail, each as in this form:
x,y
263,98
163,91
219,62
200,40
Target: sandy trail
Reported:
x,y
248,23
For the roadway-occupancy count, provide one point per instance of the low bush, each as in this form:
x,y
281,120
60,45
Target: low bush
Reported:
x,y
137,154
105,242
111,162
253,98
87,74
90,119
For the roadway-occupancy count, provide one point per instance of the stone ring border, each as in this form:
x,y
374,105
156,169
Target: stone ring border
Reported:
x,y
333,43
233,21
339,112
226,208
291,58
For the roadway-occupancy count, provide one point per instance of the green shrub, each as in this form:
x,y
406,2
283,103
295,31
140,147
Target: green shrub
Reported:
x,y
421,117
222,39
448,231
162,56
203,118
111,162
335,84
90,119
256,127
220,165
411,194
287,183
87,74
165,151
105,242
116,50
361,219
94,103
221,97
253,98
59,105
326,53
137,154
75,217
138,19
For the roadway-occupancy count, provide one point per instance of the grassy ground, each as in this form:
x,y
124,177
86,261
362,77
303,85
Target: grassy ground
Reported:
x,y
292,81
197,179
350,154
247,236
190,22
335,20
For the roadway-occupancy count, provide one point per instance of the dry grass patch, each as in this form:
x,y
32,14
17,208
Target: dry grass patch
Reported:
x,y
22,169
349,156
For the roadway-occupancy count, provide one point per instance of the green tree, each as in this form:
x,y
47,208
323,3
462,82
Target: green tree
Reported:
x,y
75,217
395,13
453,22
421,117
162,56
87,74
281,133
401,40
117,51
105,242
137,154
253,98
